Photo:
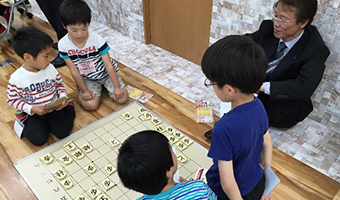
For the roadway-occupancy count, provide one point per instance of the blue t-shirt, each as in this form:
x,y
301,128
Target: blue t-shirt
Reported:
x,y
193,190
238,136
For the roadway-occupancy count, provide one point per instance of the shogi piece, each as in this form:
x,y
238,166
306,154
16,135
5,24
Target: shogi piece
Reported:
x,y
60,174
108,184
181,146
81,197
78,154
127,115
47,159
66,159
142,110
147,116
67,183
90,168
177,134
87,148
69,146
110,169
94,192
187,141
159,128
156,121
114,143
170,130
172,139
181,158
102,197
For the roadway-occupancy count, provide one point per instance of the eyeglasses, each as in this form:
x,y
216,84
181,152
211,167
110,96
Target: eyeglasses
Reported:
x,y
283,22
207,83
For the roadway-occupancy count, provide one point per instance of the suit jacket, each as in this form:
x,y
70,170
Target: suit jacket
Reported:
x,y
296,77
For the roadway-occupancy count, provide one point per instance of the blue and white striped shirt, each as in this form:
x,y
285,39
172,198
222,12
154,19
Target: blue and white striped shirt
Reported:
x,y
94,48
193,190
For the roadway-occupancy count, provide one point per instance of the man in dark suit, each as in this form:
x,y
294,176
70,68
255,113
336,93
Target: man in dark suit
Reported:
x,y
296,55
290,84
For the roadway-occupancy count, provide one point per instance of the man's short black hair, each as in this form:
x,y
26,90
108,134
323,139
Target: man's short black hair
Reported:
x,y
74,12
305,9
30,40
143,160
235,60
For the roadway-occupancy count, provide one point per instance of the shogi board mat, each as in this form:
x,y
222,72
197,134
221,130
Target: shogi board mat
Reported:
x,y
83,165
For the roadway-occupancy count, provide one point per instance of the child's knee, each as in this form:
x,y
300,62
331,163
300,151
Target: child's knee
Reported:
x,y
63,134
91,105
38,143
123,99
36,139
36,136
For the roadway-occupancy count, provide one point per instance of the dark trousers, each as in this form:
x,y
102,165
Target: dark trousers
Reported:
x,y
51,11
59,122
256,193
2,9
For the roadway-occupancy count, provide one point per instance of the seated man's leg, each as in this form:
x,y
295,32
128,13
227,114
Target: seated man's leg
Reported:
x,y
36,130
284,113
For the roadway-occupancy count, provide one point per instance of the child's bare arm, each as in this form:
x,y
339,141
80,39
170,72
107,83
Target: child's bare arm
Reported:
x,y
87,94
118,91
75,74
266,154
228,181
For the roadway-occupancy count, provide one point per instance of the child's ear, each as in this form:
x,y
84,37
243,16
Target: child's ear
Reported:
x,y
27,57
169,174
230,89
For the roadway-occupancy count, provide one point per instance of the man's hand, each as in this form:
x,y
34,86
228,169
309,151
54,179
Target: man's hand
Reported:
x,y
261,88
39,110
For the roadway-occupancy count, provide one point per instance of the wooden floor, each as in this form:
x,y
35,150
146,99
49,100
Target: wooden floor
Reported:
x,y
298,181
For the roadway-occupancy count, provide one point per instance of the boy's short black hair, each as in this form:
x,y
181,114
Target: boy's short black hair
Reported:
x,y
30,40
235,60
74,12
143,160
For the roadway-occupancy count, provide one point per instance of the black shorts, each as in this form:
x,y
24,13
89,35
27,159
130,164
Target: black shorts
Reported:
x,y
256,193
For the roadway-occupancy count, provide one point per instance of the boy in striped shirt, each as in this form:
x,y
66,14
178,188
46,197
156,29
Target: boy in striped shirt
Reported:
x,y
86,54
147,164
35,84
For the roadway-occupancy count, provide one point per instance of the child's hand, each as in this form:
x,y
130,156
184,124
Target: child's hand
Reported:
x,y
269,197
88,95
181,179
39,110
118,93
62,105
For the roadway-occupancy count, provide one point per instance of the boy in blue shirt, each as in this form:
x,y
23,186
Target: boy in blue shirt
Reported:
x,y
235,68
147,164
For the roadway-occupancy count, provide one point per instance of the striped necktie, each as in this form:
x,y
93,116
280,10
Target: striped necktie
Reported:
x,y
276,58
